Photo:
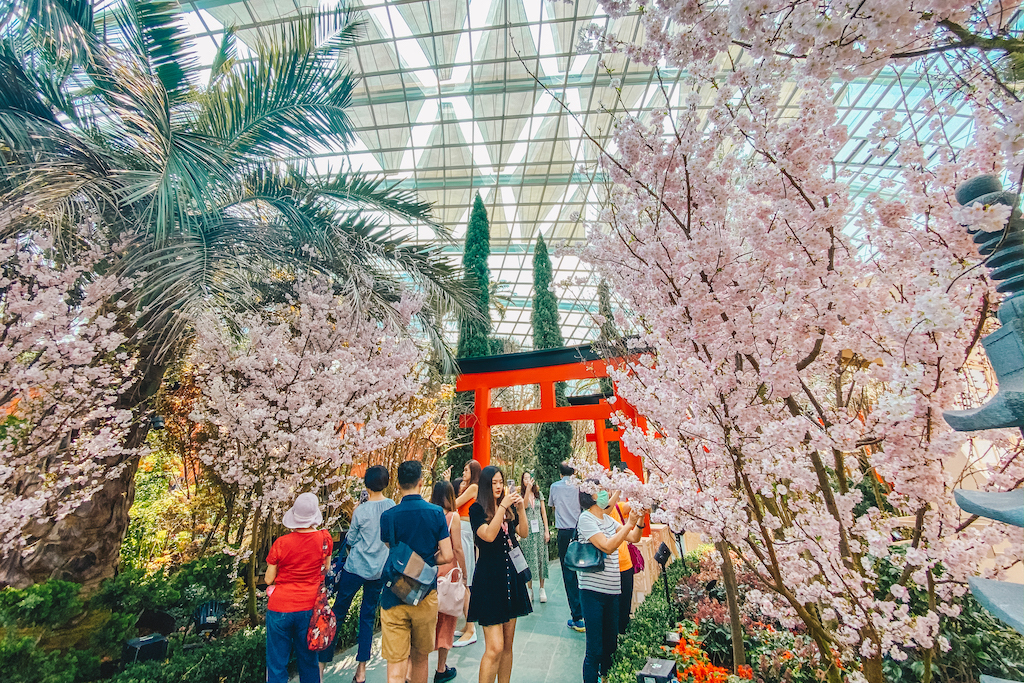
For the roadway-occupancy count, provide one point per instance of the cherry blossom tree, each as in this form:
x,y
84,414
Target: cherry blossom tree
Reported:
x,y
797,346
63,367
300,391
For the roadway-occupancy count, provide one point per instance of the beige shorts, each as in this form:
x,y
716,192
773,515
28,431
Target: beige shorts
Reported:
x,y
404,627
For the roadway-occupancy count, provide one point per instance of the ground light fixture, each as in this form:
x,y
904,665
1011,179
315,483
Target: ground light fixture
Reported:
x,y
657,671
157,421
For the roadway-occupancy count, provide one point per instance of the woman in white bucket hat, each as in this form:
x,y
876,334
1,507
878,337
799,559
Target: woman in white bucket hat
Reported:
x,y
293,574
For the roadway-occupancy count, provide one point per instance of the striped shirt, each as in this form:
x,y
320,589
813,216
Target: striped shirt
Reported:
x,y
608,581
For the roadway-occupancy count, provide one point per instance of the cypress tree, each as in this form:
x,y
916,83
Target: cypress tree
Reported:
x,y
607,335
474,331
554,439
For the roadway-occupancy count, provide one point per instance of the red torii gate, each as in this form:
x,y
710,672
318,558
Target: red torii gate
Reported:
x,y
544,368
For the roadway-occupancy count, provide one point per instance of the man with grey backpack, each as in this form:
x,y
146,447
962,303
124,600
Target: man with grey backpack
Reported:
x,y
418,540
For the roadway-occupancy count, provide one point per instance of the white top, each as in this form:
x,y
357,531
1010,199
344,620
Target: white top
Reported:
x,y
608,581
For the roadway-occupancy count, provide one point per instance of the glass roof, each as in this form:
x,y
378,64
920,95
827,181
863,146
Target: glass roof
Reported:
x,y
466,96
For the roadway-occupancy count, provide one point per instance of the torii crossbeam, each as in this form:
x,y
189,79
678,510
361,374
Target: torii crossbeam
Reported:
x,y
544,368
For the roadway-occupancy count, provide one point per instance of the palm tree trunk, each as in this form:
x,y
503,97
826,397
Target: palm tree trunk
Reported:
x,y
85,546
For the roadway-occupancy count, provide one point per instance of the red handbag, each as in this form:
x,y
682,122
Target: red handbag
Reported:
x,y
323,624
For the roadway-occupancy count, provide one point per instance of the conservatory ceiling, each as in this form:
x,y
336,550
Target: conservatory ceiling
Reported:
x,y
466,96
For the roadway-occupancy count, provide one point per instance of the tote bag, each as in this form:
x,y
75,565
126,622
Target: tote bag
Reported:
x,y
323,624
451,593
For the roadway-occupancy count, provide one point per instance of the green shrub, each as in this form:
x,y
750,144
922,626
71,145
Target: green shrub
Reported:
x,y
133,591
646,632
208,578
45,604
240,658
109,638
21,661
978,644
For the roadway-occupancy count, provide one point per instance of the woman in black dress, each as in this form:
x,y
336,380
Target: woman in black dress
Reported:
x,y
499,585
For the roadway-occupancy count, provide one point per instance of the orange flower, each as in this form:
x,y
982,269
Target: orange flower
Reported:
x,y
744,671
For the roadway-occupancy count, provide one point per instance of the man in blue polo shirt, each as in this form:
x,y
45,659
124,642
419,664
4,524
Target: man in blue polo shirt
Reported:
x,y
407,631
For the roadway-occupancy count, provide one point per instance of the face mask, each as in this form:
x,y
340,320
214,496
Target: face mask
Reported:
x,y
602,499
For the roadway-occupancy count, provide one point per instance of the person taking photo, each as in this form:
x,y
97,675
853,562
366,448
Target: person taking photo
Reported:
x,y
600,591
499,596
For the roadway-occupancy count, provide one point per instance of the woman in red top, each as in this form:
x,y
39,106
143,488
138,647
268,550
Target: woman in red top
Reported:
x,y
293,576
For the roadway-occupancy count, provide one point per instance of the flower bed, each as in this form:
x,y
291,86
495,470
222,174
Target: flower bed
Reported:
x,y
977,643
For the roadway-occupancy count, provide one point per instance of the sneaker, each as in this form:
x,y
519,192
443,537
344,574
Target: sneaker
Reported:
x,y
543,596
444,676
579,626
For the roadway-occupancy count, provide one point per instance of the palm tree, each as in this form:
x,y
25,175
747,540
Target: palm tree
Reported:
x,y
104,123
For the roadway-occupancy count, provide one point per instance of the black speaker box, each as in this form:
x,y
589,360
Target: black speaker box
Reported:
x,y
144,649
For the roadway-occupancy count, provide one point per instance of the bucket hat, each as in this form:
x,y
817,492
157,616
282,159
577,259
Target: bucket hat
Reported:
x,y
304,512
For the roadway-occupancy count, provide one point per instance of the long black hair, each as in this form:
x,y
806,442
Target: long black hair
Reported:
x,y
485,492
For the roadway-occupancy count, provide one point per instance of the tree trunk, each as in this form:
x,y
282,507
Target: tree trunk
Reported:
x,y
85,546
732,598
254,617
872,668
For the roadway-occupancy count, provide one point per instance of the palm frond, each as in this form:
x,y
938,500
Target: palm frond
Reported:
x,y
211,265
334,32
154,31
64,29
224,58
290,100
359,190
18,91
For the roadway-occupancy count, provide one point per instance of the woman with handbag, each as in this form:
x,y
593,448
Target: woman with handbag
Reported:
x,y
449,581
499,590
295,573
535,545
600,590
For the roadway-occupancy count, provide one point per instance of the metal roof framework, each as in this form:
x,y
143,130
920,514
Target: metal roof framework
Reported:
x,y
465,96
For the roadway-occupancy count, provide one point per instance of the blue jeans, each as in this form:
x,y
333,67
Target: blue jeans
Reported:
x,y
569,578
287,631
601,612
348,586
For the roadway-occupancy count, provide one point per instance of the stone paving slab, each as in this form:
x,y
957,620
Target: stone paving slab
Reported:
x,y
545,649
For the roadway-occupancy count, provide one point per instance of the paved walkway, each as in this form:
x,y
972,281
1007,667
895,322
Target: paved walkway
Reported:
x,y
546,650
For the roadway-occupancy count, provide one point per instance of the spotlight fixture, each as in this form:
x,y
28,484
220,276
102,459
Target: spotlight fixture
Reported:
x,y
157,421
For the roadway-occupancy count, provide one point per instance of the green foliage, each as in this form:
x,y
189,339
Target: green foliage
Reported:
x,y
978,644
207,578
554,439
475,329
646,632
237,659
134,590
474,326
21,661
45,604
116,629
608,333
